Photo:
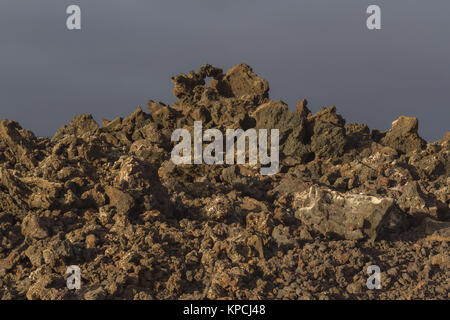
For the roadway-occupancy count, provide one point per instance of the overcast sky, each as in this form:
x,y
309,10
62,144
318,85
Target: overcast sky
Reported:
x,y
315,49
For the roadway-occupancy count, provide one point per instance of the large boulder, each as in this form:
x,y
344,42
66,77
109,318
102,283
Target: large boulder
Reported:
x,y
328,138
351,216
291,126
244,84
403,135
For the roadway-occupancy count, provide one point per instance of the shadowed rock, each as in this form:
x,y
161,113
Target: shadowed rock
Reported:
x,y
403,135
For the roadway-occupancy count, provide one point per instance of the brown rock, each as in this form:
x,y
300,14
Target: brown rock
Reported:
x,y
82,125
33,227
404,135
244,84
91,241
18,145
351,216
119,199
302,108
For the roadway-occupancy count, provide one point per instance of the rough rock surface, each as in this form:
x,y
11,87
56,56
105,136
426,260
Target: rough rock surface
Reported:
x,y
404,135
109,199
351,216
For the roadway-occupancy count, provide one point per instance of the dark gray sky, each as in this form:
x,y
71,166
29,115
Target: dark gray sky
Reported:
x,y
315,49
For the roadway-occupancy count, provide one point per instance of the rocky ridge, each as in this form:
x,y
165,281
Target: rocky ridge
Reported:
x,y
109,199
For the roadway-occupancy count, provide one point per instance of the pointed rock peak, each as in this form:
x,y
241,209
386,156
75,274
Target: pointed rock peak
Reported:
x,y
446,138
79,125
154,106
136,116
302,108
403,135
12,131
329,115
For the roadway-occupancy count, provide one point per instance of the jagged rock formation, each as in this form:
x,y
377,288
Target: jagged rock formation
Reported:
x,y
110,200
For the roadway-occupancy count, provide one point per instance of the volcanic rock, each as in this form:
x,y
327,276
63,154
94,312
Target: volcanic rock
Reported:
x,y
110,200
81,125
351,216
18,146
404,135
119,199
32,227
